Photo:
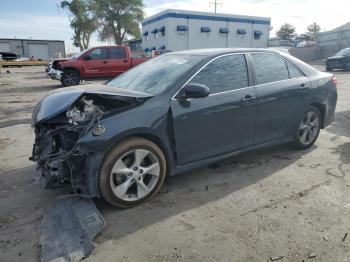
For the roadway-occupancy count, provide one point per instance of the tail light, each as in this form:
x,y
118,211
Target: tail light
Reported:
x,y
334,81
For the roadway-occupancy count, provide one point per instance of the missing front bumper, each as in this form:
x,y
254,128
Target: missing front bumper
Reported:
x,y
55,74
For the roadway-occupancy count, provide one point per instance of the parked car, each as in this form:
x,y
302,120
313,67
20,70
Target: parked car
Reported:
x,y
340,60
176,112
99,62
6,56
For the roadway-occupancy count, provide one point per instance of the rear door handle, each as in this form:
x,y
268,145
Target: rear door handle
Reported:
x,y
248,99
302,86
105,62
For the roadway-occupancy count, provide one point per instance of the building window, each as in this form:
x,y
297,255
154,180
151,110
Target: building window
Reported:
x,y
181,28
205,29
162,30
241,31
145,34
257,34
224,30
155,32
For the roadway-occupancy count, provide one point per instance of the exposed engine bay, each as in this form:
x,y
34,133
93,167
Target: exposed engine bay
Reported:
x,y
60,161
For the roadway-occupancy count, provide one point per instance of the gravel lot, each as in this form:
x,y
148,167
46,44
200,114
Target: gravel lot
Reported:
x,y
273,203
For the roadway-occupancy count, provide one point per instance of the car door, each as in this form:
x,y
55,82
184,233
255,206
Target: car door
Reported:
x,y
118,62
281,98
96,63
222,122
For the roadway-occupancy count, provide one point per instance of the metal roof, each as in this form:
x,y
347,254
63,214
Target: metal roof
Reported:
x,y
23,39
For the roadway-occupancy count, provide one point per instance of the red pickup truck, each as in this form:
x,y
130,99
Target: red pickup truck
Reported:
x,y
97,62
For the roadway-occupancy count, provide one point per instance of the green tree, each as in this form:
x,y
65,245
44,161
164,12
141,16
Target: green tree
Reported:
x,y
118,18
313,30
286,31
81,21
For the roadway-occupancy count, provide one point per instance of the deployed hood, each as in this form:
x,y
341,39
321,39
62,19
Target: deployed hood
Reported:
x,y
58,101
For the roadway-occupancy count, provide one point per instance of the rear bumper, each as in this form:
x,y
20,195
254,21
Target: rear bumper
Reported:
x,y
329,114
55,74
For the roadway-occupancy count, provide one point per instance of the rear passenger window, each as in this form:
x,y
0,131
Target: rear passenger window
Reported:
x,y
269,68
117,53
224,74
293,72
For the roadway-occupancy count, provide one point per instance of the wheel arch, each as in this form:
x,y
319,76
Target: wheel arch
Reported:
x,y
322,109
71,68
148,136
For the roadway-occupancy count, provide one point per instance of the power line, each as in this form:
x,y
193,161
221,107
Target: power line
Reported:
x,y
215,3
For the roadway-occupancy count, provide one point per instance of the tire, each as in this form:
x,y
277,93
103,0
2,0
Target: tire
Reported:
x,y
70,77
122,176
309,123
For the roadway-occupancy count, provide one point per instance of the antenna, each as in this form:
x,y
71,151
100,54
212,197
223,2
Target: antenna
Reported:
x,y
215,3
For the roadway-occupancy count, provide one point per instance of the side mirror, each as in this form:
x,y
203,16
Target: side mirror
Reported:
x,y
195,91
87,57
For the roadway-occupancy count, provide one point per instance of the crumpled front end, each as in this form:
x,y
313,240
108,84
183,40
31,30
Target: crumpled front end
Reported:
x,y
60,121
59,161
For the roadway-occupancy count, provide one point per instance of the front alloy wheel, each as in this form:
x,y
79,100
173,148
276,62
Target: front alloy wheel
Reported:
x,y
308,129
132,172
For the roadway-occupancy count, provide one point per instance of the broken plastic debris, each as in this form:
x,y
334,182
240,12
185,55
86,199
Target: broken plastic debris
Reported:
x,y
67,229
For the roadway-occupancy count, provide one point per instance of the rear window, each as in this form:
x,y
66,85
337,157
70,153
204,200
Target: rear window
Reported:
x,y
269,68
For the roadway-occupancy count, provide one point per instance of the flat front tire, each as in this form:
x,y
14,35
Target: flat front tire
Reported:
x,y
308,129
132,172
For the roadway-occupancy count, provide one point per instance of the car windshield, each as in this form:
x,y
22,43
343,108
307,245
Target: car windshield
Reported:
x,y
157,74
343,52
77,55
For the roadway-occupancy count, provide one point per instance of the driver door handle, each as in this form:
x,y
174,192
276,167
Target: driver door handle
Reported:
x,y
248,99
302,86
105,62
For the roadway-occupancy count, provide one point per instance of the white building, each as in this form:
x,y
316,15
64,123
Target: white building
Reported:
x,y
178,30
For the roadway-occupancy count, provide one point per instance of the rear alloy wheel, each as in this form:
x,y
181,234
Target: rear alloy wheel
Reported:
x,y
132,173
70,78
308,129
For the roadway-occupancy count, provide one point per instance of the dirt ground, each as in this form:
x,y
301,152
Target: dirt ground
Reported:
x,y
273,203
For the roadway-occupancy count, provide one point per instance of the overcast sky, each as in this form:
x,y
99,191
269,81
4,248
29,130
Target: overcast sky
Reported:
x,y
43,19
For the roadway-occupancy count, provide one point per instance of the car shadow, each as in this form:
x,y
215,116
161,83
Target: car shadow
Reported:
x,y
196,188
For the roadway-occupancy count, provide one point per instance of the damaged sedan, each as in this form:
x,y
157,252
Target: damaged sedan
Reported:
x,y
174,113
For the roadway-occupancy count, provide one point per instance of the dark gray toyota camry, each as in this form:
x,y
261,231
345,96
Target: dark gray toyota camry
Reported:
x,y
174,113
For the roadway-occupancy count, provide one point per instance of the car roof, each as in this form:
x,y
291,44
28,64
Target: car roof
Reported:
x,y
214,52
220,51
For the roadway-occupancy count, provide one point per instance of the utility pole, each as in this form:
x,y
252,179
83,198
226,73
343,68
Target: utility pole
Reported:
x,y
215,3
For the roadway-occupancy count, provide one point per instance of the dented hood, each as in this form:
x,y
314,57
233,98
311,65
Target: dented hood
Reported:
x,y
60,100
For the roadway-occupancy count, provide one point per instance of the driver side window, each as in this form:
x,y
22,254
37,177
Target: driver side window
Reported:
x,y
224,74
98,54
